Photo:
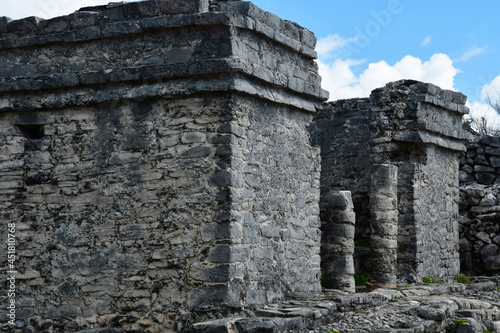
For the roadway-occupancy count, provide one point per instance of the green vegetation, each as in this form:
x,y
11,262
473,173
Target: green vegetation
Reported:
x,y
360,312
362,242
460,321
428,280
334,331
360,279
462,279
403,100
486,331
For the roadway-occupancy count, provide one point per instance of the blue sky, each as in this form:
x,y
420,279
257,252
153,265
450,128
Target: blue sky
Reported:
x,y
362,44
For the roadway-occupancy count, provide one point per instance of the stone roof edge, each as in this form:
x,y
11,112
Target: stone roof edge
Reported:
x,y
451,143
83,96
122,19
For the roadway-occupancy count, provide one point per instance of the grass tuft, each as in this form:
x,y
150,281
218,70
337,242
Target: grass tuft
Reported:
x,y
462,279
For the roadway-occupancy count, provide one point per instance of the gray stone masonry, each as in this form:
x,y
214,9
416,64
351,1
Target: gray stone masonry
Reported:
x,y
156,161
480,206
337,245
481,163
417,128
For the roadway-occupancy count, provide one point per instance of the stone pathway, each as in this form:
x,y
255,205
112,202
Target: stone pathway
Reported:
x,y
444,307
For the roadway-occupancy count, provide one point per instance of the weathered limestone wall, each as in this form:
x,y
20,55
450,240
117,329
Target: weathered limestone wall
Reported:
x,y
153,184
275,194
112,205
481,163
417,128
437,191
480,207
479,229
343,133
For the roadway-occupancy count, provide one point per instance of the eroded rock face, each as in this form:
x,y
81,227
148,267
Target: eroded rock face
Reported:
x,y
491,257
479,228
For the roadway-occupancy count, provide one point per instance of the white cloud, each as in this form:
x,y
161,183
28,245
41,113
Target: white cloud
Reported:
x,y
340,80
491,90
472,52
44,8
326,47
482,109
426,41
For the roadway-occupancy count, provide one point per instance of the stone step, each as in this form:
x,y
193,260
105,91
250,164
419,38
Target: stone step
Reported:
x,y
479,314
249,325
467,303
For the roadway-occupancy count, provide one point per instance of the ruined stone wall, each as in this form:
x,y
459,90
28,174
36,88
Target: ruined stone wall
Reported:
x,y
481,163
436,195
479,207
416,127
157,184
276,197
112,205
343,133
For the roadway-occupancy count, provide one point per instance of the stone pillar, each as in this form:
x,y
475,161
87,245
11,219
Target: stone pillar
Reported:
x,y
337,245
384,224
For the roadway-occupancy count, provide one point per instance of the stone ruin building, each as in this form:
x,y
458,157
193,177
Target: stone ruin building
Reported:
x,y
156,160
397,152
171,161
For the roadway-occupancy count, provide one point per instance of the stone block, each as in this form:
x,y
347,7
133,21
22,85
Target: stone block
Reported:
x,y
172,7
24,26
55,25
491,257
485,178
83,19
225,253
385,229
4,21
336,230
339,199
383,202
482,168
430,313
220,273
120,28
196,152
136,10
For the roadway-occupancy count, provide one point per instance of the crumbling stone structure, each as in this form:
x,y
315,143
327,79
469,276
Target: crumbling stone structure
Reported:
x,y
397,152
157,164
480,206
157,160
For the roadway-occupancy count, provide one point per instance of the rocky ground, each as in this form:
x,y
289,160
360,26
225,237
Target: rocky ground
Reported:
x,y
450,307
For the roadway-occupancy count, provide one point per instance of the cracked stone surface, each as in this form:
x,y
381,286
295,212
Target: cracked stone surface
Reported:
x,y
427,308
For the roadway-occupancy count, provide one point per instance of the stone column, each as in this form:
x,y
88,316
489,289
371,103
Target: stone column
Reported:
x,y
337,246
384,224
